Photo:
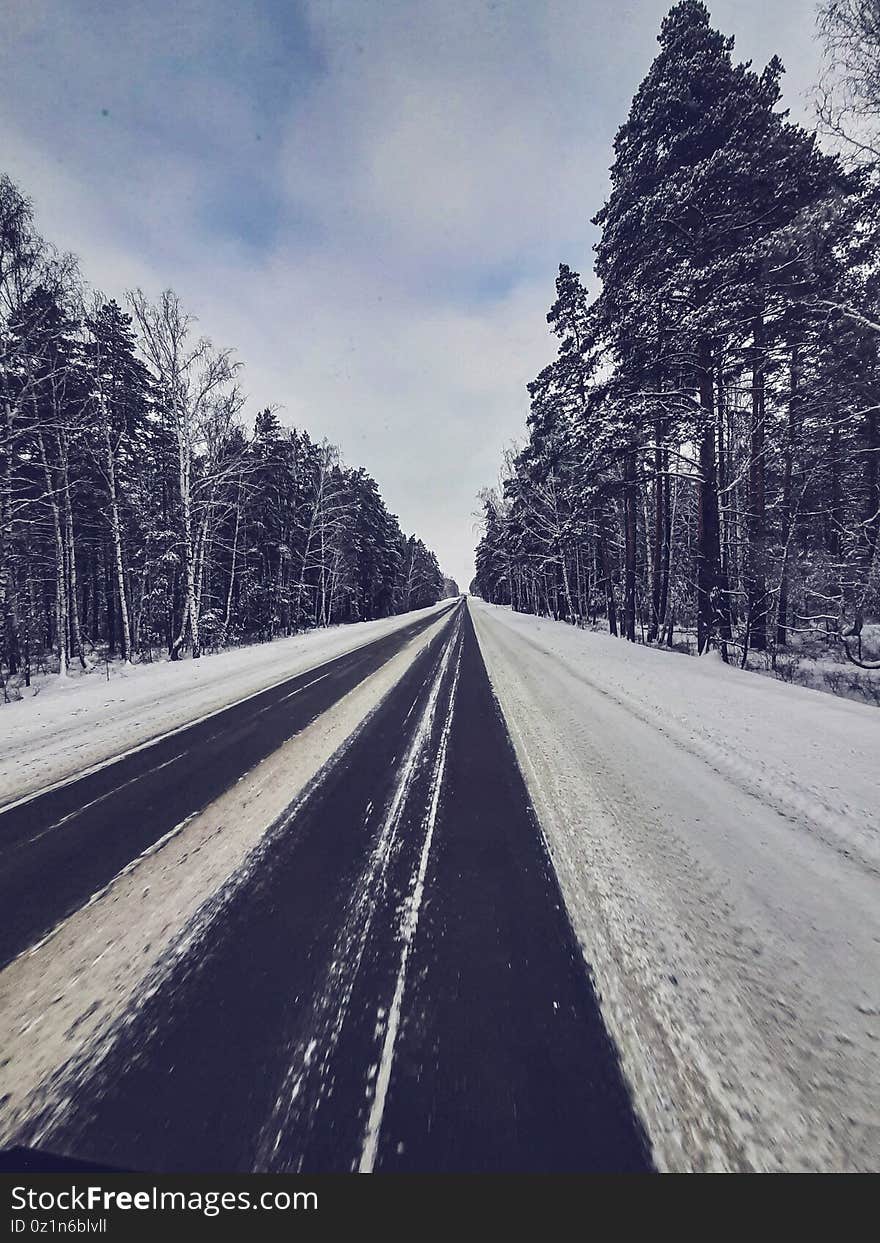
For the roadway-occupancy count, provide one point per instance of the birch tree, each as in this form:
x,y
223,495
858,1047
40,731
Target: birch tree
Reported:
x,y
191,380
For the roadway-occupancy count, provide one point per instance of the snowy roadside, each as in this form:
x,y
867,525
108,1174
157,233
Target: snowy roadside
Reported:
x,y
73,725
812,757
716,839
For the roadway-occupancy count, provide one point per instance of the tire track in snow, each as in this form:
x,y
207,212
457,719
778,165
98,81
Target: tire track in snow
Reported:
x,y
407,932
835,827
310,1073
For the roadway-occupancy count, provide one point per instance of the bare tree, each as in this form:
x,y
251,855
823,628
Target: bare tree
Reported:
x,y
848,96
193,380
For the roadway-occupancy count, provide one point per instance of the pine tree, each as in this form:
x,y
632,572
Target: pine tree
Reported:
x,y
706,172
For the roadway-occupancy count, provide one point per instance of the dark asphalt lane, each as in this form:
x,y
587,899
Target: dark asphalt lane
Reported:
x,y
503,1062
194,1081
59,848
393,985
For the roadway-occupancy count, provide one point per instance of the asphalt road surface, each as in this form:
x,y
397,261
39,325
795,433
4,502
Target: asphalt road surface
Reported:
x,y
393,986
58,848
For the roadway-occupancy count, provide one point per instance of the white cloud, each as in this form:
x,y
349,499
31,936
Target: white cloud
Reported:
x,y
430,164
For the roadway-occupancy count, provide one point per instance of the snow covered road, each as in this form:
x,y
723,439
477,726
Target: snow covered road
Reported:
x,y
337,926
61,847
355,958
64,726
716,838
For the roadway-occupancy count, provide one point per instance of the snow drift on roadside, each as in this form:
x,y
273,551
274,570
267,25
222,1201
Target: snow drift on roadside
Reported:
x,y
715,836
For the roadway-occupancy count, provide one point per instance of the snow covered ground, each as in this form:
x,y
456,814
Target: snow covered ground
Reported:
x,y
716,838
74,723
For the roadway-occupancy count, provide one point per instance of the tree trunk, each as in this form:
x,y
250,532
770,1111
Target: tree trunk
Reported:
x,y
190,619
787,496
61,623
8,592
604,567
870,524
834,527
630,531
228,613
116,536
659,542
566,587
757,523
710,606
70,547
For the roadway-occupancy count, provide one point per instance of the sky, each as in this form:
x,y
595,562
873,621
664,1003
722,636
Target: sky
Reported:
x,y
367,199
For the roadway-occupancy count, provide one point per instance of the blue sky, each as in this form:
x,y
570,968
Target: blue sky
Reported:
x,y
368,199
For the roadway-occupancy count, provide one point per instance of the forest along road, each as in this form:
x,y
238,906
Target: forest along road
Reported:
x,y
60,847
390,981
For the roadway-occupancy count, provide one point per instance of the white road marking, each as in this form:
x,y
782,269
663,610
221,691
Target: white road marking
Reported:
x,y
331,1005
102,798
408,930
72,815
178,729
152,849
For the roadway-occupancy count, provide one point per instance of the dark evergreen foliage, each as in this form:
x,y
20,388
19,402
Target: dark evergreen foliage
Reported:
x,y
137,513
703,451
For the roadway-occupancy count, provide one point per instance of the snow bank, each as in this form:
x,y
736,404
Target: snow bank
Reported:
x,y
812,757
716,839
75,723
